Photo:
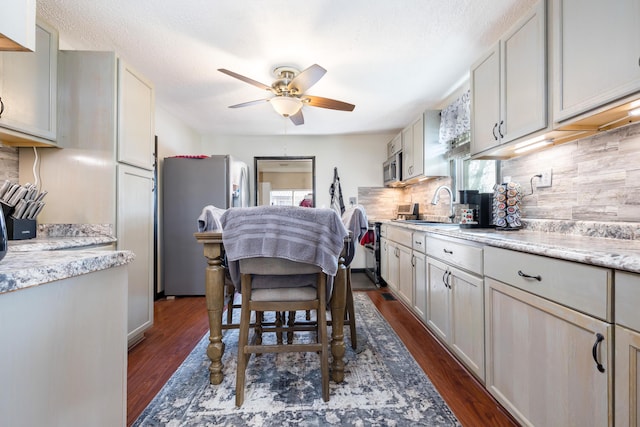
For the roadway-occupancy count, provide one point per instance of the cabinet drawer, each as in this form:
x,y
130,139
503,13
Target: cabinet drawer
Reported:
x,y
419,242
583,287
400,235
627,296
465,255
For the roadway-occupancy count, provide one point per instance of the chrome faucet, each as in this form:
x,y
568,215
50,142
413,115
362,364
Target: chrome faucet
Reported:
x,y
436,197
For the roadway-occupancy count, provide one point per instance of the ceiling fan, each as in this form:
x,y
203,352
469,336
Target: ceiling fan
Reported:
x,y
289,89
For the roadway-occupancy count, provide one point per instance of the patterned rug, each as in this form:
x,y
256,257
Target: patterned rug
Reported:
x,y
383,386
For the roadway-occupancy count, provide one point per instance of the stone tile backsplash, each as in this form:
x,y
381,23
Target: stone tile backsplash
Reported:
x,y
594,179
8,164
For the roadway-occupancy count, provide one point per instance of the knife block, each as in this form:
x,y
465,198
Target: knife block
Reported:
x,y
18,229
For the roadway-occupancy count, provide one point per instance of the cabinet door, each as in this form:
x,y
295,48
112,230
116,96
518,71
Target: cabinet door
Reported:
x,y
28,87
135,233
467,319
405,274
417,136
394,145
407,152
523,79
420,285
17,21
384,259
627,377
438,316
485,101
601,37
394,265
540,364
136,130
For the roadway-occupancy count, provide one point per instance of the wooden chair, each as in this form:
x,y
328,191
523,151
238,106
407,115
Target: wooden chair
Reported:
x,y
311,296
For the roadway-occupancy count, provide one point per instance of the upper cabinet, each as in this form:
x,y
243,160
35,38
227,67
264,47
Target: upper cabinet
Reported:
x,y
422,153
17,25
136,128
28,92
596,54
395,145
508,85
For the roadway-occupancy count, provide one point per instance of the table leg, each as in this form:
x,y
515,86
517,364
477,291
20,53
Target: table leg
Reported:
x,y
214,292
338,303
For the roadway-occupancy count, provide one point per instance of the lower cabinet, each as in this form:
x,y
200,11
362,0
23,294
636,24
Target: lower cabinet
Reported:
x,y
455,312
547,364
627,378
627,355
135,233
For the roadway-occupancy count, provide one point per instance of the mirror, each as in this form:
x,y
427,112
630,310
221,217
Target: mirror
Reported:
x,y
285,181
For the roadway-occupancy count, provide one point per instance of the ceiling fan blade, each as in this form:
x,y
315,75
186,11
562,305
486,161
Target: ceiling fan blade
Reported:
x,y
246,104
246,79
318,101
307,78
297,118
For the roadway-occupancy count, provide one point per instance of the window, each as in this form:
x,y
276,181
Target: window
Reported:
x,y
479,175
287,197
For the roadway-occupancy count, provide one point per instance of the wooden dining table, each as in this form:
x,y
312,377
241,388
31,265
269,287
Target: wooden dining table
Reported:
x,y
215,298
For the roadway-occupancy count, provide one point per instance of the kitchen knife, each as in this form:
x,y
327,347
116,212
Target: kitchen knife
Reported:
x,y
21,208
41,195
32,191
19,194
31,211
39,205
5,186
7,196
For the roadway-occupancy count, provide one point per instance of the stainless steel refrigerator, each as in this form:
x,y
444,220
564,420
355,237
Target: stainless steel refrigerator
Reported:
x,y
190,184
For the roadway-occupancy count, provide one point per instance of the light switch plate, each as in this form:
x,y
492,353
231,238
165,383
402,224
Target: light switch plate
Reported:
x,y
352,200
545,180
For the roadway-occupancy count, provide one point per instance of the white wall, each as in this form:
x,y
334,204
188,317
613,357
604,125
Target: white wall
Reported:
x,y
358,157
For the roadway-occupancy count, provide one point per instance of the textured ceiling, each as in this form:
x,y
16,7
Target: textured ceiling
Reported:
x,y
392,59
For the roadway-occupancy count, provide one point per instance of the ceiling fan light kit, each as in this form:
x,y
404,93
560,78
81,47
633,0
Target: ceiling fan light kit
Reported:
x,y
286,106
288,90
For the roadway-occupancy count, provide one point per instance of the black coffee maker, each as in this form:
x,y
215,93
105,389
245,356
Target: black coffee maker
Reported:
x,y
481,206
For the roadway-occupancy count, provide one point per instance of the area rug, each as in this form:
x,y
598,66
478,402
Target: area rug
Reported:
x,y
383,386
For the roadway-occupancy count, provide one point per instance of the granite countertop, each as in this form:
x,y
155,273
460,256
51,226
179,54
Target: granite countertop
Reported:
x,y
610,245
59,252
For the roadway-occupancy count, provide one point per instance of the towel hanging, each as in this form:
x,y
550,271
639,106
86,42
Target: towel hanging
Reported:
x,y
337,202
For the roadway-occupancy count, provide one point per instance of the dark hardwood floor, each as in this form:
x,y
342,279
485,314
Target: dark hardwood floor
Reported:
x,y
180,323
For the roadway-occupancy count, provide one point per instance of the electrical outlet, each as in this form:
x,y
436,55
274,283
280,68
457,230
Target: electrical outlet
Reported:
x,y
545,180
352,201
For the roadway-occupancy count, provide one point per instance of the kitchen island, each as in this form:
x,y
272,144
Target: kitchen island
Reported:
x,y
63,328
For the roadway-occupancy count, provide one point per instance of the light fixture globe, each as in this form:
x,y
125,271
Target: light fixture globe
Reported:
x,y
286,106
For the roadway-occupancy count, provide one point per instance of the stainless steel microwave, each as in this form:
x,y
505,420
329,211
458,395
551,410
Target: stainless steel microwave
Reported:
x,y
392,170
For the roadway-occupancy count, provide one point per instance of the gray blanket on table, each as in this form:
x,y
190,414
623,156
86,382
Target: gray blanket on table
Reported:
x,y
309,235
355,219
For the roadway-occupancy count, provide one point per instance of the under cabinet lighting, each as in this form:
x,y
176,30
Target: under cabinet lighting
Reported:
x,y
532,146
529,142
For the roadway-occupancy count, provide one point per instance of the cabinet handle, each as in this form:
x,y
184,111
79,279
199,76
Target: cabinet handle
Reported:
x,y
447,251
594,351
445,279
500,129
1,107
413,260
494,131
521,274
